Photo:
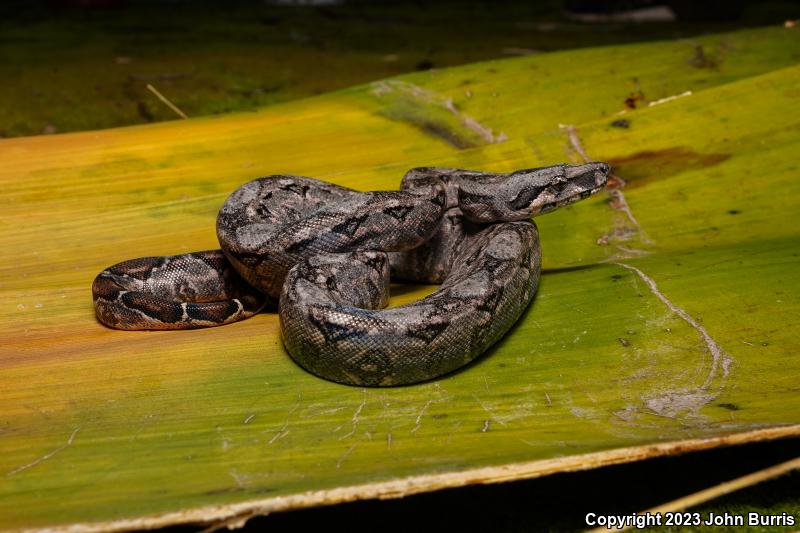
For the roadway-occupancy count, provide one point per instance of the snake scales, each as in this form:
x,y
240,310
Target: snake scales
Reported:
x,y
326,254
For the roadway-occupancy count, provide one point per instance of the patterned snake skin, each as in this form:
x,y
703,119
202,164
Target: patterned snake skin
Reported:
x,y
326,253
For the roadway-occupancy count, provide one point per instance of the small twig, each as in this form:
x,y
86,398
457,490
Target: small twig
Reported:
x,y
164,99
715,492
669,98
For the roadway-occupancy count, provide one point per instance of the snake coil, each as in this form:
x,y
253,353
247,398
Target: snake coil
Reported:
x,y
326,254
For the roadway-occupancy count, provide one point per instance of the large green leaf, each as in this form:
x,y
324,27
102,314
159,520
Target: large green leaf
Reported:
x,y
666,319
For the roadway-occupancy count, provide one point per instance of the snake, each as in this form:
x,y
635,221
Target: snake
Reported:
x,y
325,254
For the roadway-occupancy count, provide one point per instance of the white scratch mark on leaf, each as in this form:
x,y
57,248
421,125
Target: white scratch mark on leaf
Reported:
x,y
488,410
345,455
669,98
46,456
453,430
468,122
575,141
617,197
718,355
671,403
581,412
631,251
321,412
418,421
284,429
431,98
236,477
354,419
279,435
619,202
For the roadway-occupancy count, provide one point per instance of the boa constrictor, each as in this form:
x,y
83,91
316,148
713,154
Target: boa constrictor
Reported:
x,y
326,253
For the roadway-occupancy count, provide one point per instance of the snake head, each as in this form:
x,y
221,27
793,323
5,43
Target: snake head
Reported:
x,y
526,193
559,186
